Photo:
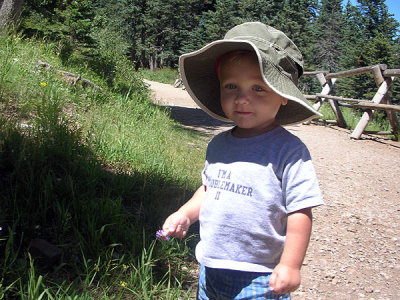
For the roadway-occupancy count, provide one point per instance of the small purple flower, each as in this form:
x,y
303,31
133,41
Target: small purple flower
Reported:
x,y
160,234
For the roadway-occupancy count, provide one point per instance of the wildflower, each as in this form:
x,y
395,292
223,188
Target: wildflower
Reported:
x,y
124,267
160,234
44,84
123,283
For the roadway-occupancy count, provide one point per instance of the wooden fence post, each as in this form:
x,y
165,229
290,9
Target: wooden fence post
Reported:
x,y
380,94
381,100
327,86
391,115
394,123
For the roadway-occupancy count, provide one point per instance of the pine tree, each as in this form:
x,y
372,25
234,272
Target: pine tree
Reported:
x,y
370,32
353,42
298,16
268,12
377,19
171,27
381,33
329,33
130,19
76,19
353,36
217,22
297,19
157,30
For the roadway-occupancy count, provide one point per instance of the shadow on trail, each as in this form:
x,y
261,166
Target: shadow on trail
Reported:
x,y
365,136
196,119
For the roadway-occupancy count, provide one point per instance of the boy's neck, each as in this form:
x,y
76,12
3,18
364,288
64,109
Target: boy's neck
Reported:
x,y
239,132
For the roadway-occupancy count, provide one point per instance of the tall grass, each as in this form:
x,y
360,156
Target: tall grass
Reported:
x,y
93,174
164,75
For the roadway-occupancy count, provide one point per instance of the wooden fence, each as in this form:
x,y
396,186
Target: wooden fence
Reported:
x,y
381,101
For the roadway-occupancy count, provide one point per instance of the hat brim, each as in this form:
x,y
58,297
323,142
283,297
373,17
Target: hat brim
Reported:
x,y
201,81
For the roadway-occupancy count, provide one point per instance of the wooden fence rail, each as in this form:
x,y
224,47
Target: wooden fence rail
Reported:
x,y
381,100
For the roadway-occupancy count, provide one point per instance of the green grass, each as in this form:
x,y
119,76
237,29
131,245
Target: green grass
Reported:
x,y
94,174
164,75
352,117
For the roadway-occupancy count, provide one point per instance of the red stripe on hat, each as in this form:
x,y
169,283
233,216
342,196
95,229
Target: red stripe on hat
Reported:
x,y
216,65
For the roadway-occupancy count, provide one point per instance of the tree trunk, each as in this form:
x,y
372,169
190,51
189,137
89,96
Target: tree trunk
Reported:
x,y
153,61
9,12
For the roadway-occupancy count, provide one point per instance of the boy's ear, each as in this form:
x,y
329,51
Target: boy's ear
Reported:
x,y
284,101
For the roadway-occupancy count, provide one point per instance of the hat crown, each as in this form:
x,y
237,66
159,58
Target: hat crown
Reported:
x,y
266,37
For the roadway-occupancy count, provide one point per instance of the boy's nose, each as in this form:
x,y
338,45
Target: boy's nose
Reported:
x,y
242,98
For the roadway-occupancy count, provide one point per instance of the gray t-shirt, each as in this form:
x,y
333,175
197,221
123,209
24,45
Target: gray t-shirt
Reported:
x,y
251,185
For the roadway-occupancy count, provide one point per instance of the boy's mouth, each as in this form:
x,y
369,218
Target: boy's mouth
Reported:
x,y
243,113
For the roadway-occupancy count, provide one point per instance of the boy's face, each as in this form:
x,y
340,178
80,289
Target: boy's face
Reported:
x,y
245,98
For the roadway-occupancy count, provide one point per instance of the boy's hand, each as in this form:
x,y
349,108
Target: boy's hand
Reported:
x,y
176,225
284,279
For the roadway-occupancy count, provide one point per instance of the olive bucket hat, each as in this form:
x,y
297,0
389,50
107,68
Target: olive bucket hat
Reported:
x,y
281,64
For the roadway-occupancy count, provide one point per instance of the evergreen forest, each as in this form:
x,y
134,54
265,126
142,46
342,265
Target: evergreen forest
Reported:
x,y
332,35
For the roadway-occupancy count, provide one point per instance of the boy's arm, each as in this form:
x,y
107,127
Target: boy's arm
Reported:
x,y
178,223
286,276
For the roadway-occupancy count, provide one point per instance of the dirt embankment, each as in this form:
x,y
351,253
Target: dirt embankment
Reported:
x,y
355,247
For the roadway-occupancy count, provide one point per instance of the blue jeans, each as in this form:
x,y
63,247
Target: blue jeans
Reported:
x,y
224,284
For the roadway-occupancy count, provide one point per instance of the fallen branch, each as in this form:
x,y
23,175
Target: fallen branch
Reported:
x,y
70,77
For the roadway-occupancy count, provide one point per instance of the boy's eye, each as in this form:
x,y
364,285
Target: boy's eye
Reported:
x,y
230,86
258,88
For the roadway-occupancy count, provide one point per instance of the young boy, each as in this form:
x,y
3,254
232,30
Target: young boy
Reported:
x,y
259,184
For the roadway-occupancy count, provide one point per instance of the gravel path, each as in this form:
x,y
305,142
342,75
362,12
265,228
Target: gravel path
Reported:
x,y
355,248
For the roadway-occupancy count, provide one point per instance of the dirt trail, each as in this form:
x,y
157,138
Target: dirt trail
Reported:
x,y
355,247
